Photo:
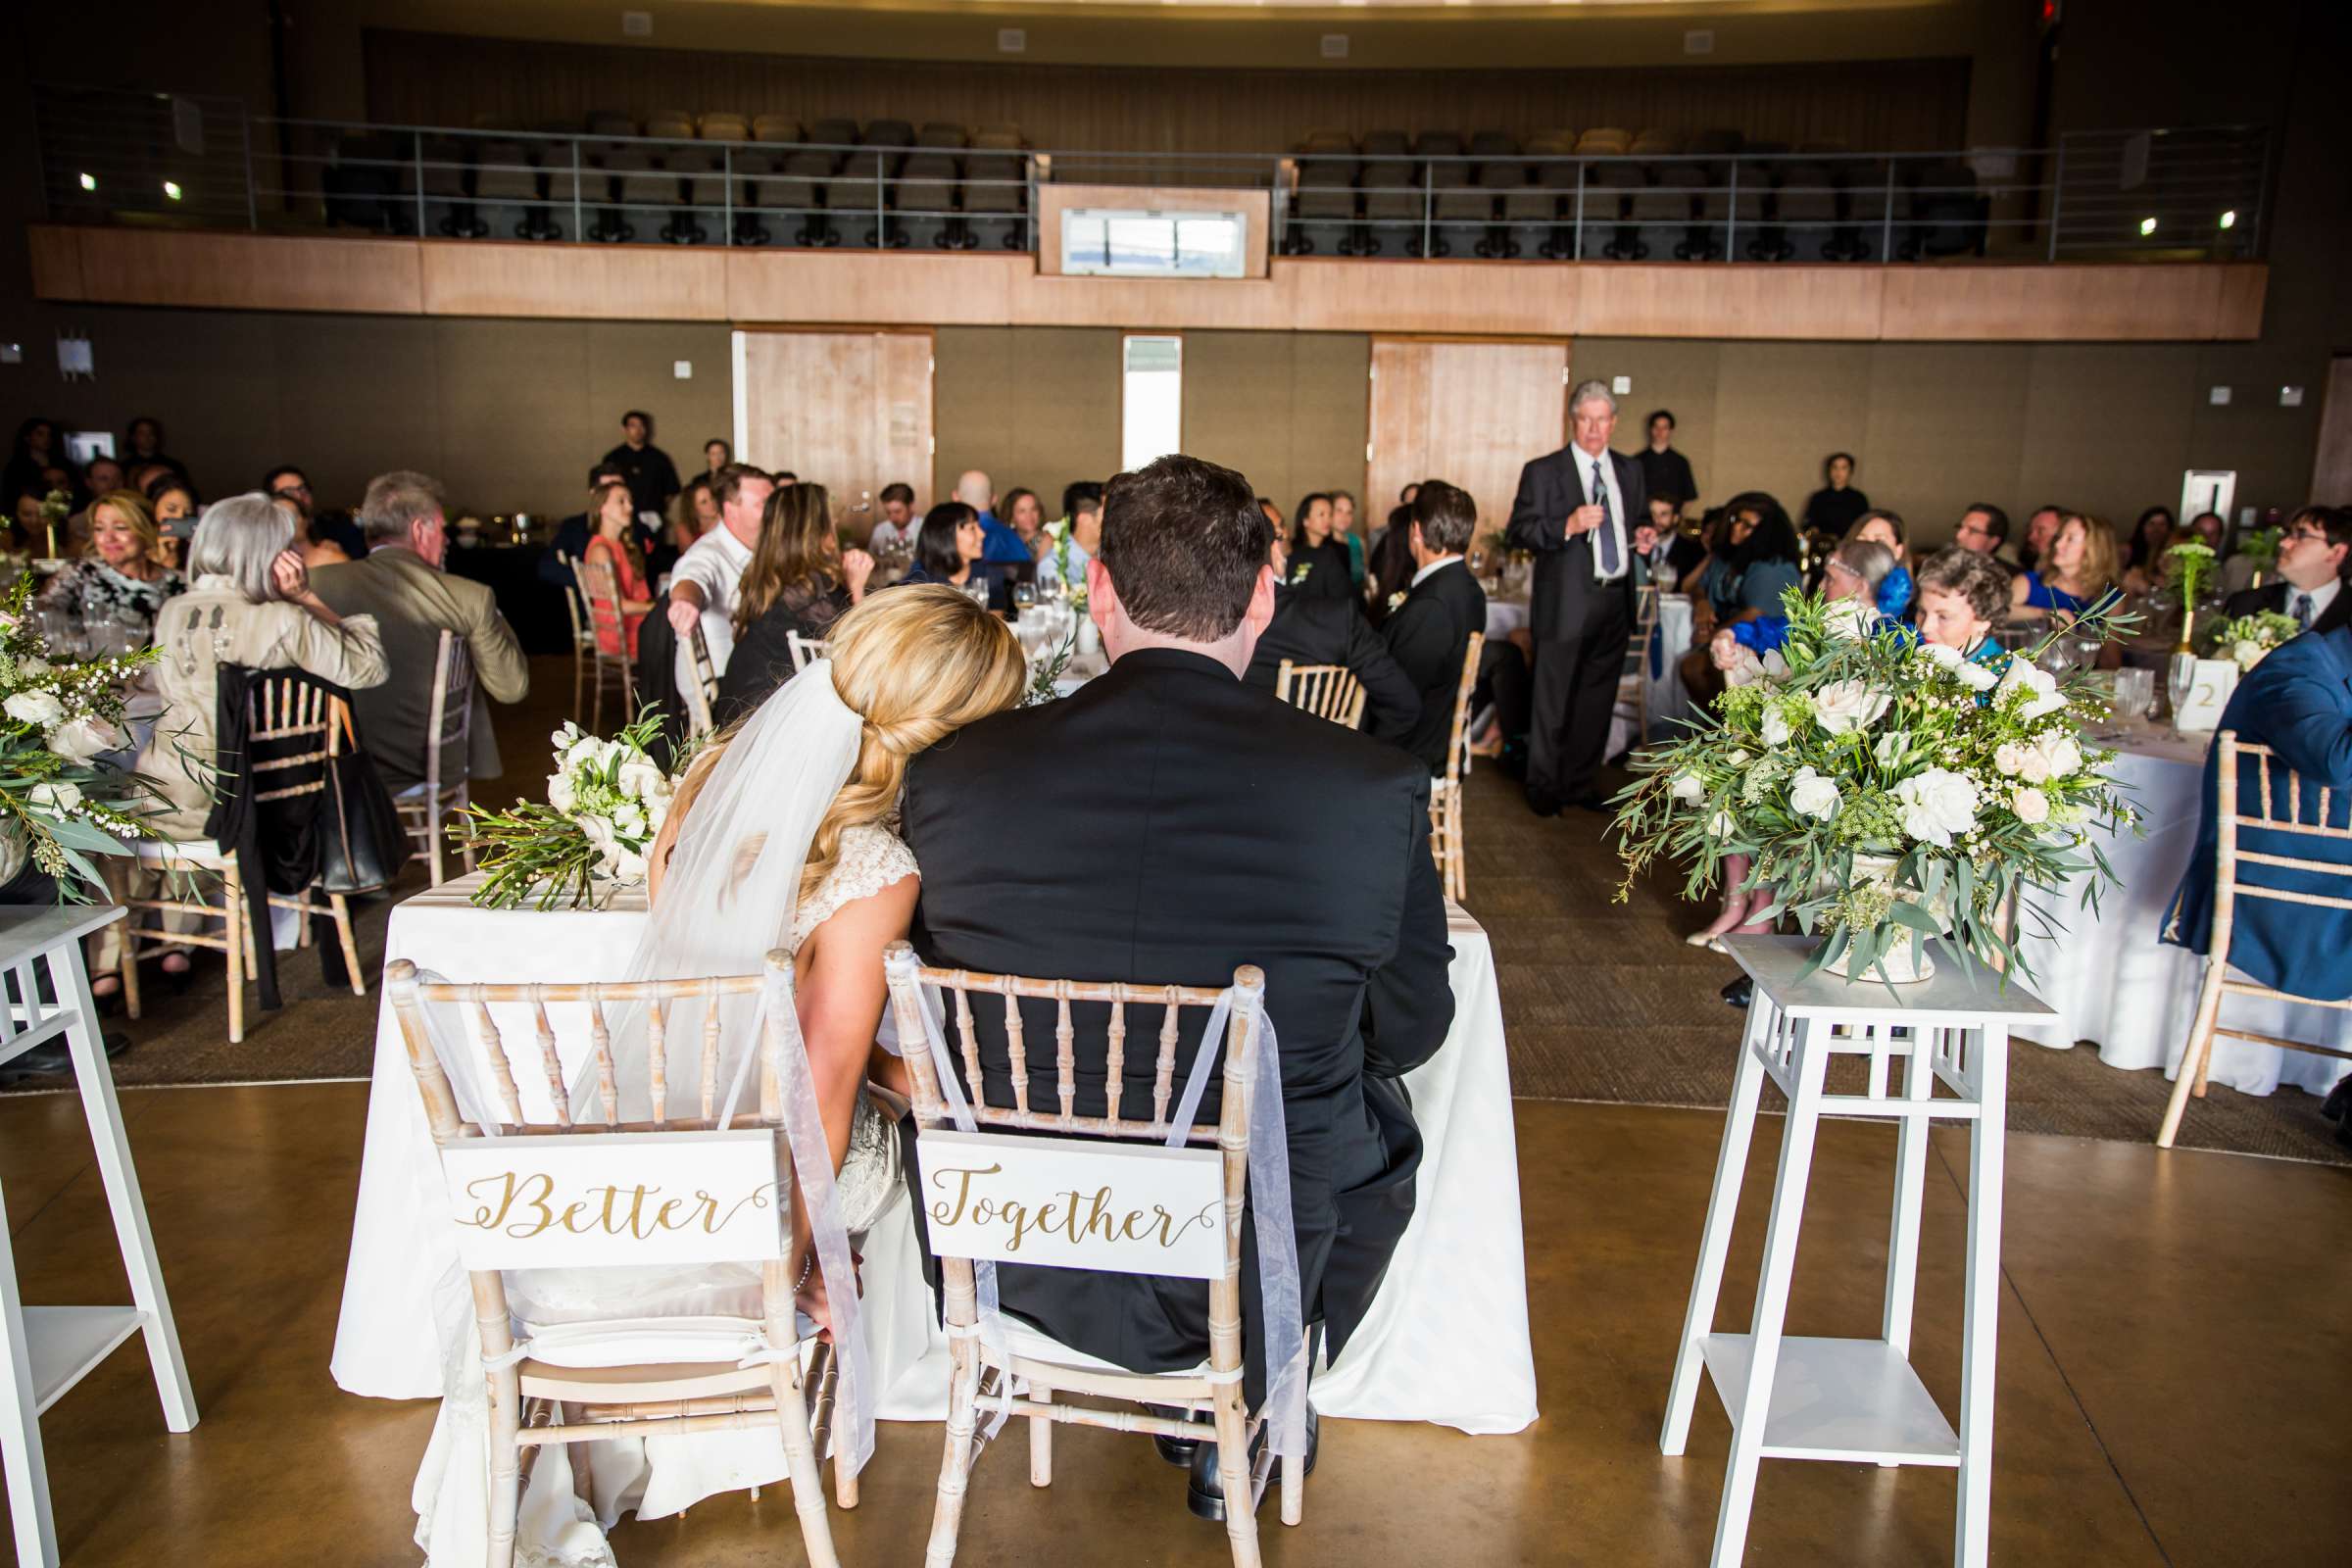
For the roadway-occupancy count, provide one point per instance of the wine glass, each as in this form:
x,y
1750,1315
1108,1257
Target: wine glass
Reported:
x,y
1024,596
2180,680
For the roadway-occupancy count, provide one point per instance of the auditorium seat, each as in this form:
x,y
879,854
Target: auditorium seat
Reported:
x,y
1323,211
775,129
702,177
1737,211
1947,212
1603,142
611,123
1548,143
791,200
886,133
1805,212
1655,144
446,166
1385,144
505,184
1609,189
1327,142
999,138
1461,213
924,200
1493,144
646,196
1716,142
725,126
1393,206
1438,144
941,134
833,133
1531,214
671,124
994,195
1664,212
852,199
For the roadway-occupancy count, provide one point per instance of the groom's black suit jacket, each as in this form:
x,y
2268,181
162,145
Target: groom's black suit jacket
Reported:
x,y
1174,825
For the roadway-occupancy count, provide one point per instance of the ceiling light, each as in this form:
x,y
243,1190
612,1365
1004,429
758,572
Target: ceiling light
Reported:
x,y
171,189
2229,219
89,182
2147,227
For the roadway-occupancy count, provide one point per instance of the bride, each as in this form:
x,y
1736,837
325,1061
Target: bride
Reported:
x,y
781,836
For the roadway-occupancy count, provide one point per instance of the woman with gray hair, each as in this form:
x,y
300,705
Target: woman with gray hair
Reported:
x,y
249,604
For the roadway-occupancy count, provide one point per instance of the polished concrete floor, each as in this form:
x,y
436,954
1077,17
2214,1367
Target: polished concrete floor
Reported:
x,y
2171,1385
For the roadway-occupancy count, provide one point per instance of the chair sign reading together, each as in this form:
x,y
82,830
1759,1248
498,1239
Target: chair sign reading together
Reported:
x,y
615,1199
1074,1202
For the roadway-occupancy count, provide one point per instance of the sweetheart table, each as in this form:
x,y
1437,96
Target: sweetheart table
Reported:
x,y
1447,1340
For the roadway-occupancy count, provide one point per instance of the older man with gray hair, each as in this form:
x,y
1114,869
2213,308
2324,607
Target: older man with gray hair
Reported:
x,y
403,585
1575,509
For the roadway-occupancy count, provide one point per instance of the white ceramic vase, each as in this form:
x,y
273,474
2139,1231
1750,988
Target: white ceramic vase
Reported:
x,y
1906,961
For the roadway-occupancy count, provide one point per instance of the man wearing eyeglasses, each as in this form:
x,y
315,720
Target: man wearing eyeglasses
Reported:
x,y
2314,550
290,484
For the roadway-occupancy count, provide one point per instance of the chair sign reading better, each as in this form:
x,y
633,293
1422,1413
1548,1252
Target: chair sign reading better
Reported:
x,y
1072,1202
612,1199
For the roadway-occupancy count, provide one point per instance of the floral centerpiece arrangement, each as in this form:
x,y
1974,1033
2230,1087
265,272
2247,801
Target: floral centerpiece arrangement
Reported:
x,y
1073,580
606,800
57,508
2187,568
2260,547
2248,639
61,803
1887,791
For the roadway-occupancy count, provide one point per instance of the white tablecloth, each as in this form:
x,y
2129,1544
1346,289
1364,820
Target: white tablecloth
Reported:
x,y
2111,981
1447,1340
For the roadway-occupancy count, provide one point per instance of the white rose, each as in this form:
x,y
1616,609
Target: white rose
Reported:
x,y
1936,805
1721,826
2040,687
1850,620
78,740
629,821
1946,658
1739,758
1688,789
638,778
2030,805
2059,754
1745,669
34,708
33,667
1845,706
1890,747
627,865
2032,766
1775,668
2010,758
600,834
1776,728
57,798
2248,654
1811,795
559,792
1975,676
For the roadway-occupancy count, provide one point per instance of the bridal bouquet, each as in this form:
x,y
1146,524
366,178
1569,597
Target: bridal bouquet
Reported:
x,y
2248,638
1887,790
60,802
606,802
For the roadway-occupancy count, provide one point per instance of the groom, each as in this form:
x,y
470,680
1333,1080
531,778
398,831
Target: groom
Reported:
x,y
1180,824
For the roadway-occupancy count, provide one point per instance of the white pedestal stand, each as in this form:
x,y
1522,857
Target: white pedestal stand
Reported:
x,y
45,1351
1856,1400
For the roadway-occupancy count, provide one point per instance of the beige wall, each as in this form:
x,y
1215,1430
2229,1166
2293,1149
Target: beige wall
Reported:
x,y
1032,407
2108,428
1287,408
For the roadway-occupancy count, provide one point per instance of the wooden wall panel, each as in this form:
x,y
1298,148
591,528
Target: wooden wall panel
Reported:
x,y
1878,105
851,411
627,282
1688,300
250,271
1470,414
858,287
56,257
2067,304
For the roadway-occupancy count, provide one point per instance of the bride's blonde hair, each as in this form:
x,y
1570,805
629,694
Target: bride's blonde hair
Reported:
x,y
915,663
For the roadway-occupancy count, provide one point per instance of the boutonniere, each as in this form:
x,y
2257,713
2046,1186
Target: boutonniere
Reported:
x,y
1396,600
1300,572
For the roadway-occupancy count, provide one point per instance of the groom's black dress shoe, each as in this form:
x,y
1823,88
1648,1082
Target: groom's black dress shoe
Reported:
x,y
1179,1452
1204,1493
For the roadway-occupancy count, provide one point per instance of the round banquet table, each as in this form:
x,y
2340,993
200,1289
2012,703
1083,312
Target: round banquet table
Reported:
x,y
2110,981
1447,1340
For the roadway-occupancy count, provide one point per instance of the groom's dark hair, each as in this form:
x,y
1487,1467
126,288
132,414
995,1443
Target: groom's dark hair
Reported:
x,y
1183,540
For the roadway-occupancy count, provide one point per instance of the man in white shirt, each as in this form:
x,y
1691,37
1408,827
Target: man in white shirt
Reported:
x,y
2315,549
898,519
1573,509
703,585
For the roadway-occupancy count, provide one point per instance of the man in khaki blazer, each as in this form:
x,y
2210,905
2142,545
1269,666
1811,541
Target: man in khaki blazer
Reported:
x,y
402,584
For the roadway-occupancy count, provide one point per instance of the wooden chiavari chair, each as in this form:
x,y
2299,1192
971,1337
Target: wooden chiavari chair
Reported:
x,y
600,585
583,635
981,1377
701,693
1631,686
1445,794
1327,691
804,651
2229,885
544,1397
317,725
425,807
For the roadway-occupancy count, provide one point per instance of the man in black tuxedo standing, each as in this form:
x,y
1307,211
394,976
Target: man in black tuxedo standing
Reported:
x,y
1195,825
2315,548
1318,630
1429,632
1577,509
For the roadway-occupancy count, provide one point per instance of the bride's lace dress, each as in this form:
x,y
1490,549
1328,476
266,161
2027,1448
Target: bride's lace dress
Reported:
x,y
556,1530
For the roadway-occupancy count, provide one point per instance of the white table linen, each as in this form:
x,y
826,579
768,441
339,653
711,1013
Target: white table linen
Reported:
x,y
1662,693
2110,979
1446,1342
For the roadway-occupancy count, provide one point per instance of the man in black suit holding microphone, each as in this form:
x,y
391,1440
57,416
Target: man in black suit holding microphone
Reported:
x,y
1577,509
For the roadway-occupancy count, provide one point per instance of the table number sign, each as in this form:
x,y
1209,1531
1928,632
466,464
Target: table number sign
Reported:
x,y
1072,1202
2208,693
576,1200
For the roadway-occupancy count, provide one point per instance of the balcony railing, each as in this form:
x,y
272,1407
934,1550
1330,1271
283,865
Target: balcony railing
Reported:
x,y
147,158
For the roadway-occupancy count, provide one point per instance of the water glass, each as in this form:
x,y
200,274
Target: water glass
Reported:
x,y
2135,694
2180,680
1024,595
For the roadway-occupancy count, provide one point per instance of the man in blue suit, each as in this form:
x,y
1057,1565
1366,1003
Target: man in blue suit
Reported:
x,y
2297,702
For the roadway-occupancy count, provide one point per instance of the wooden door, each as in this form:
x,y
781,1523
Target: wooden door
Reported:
x,y
1470,414
850,411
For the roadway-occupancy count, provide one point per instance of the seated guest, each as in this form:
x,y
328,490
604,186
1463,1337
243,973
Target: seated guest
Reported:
x,y
799,580
572,533
143,443
1663,554
1150,881
125,578
2144,558
1343,528
1025,514
1837,505
1983,528
1754,564
1320,565
1390,565
251,604
615,545
401,586
1859,569
2041,526
326,539
2298,702
948,548
1273,513
1309,630
2079,570
717,455
1084,515
898,519
2315,553
1894,596
102,475
2210,530
693,515
1961,595
706,578
1428,634
999,542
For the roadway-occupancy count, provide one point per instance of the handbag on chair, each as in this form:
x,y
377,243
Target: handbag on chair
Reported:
x,y
363,842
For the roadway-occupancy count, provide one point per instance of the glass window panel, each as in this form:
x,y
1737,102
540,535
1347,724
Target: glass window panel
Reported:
x,y
1152,419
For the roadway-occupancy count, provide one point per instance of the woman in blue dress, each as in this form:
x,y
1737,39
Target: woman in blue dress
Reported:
x,y
1886,528
1742,580
2081,568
